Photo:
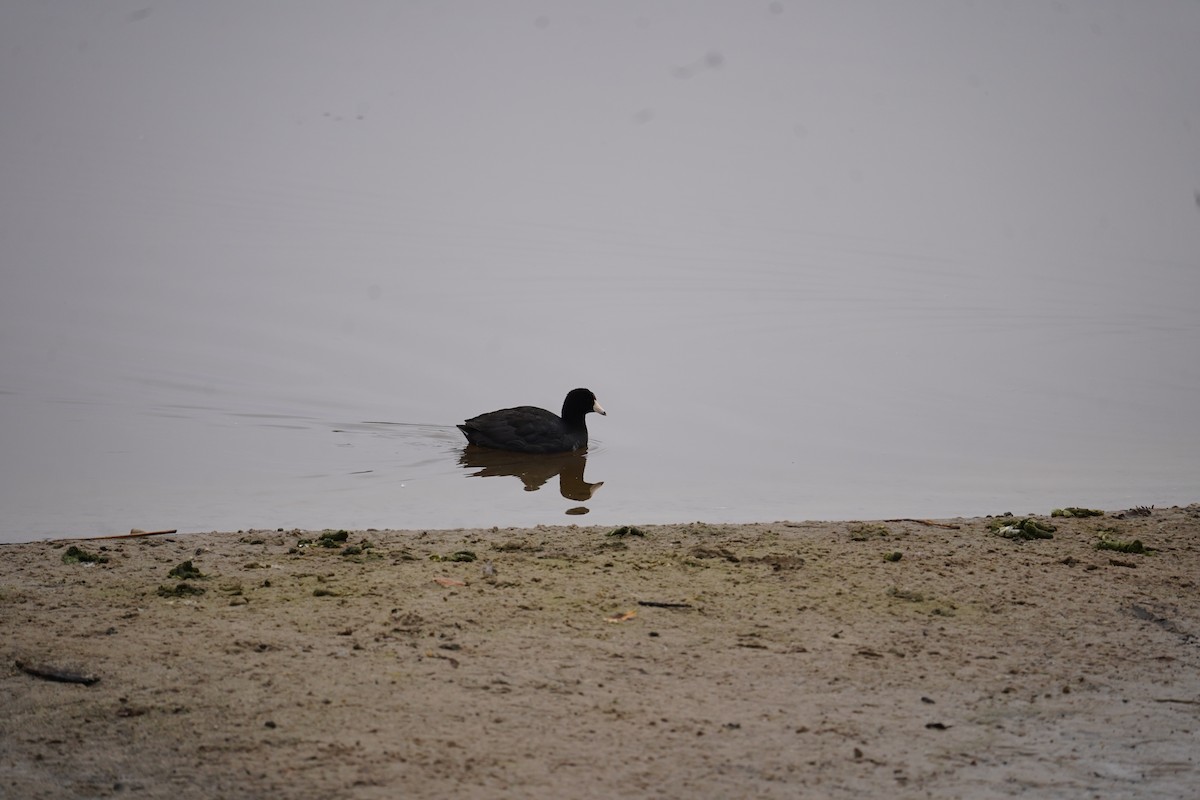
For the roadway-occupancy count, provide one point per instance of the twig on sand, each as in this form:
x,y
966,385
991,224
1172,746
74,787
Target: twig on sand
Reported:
x,y
135,533
926,522
49,673
659,604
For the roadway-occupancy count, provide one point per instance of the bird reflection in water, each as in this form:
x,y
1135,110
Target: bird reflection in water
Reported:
x,y
534,470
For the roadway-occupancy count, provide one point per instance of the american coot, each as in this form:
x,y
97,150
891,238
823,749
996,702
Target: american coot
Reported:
x,y
527,429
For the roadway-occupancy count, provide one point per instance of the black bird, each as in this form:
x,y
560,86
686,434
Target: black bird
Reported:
x,y
527,429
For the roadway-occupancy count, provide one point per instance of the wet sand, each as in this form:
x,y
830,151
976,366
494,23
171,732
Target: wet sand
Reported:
x,y
817,659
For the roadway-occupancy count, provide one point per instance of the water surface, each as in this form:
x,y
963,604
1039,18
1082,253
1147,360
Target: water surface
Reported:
x,y
956,274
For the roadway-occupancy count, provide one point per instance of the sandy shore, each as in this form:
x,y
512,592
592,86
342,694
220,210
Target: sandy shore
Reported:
x,y
781,659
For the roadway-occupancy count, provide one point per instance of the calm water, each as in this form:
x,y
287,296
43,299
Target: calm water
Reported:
x,y
259,291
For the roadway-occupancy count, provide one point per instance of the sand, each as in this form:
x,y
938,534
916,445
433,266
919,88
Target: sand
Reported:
x,y
784,659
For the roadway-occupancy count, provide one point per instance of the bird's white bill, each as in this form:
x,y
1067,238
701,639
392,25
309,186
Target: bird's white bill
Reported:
x,y
596,407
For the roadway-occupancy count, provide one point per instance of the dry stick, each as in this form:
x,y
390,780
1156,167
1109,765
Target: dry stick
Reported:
x,y
133,535
54,674
659,604
926,522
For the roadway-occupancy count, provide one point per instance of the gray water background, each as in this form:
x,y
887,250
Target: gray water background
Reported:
x,y
818,260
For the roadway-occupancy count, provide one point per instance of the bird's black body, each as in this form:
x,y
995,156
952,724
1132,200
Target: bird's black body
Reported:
x,y
527,429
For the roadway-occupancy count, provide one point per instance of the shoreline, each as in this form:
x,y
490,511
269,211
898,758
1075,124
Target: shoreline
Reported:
x,y
845,658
